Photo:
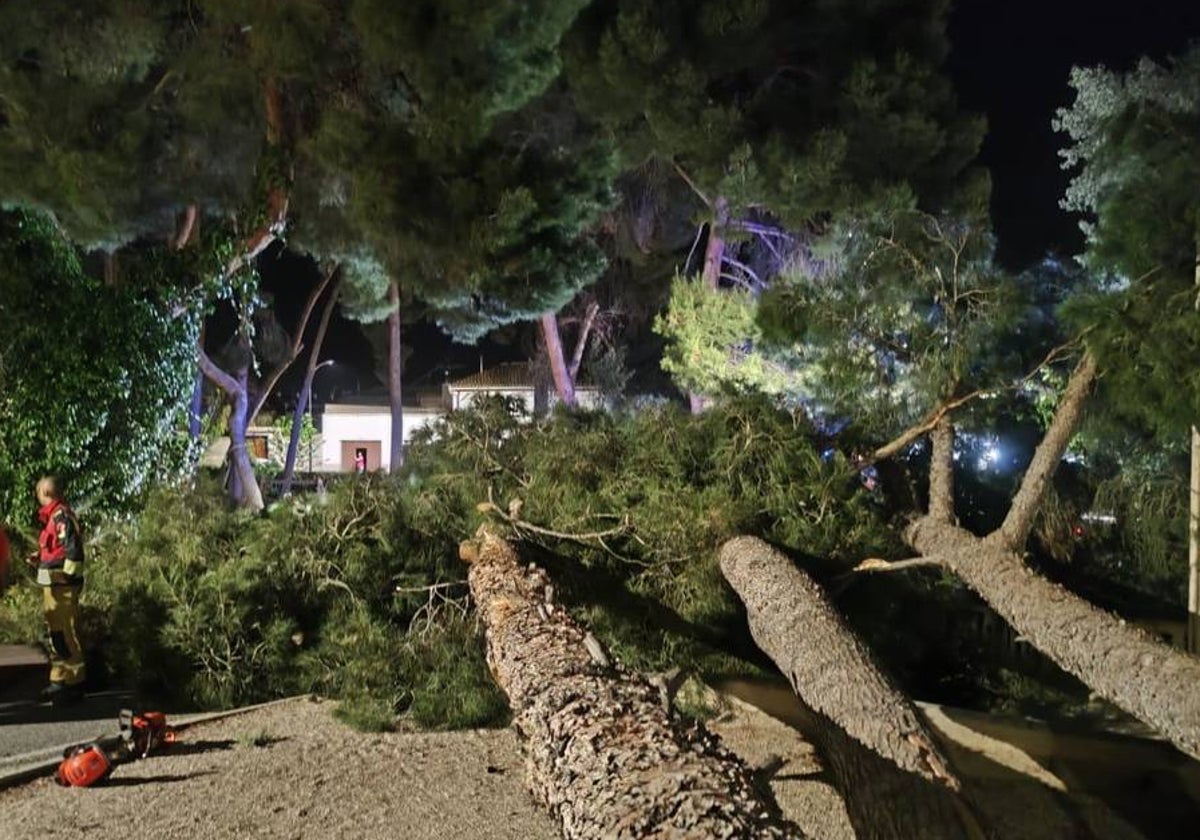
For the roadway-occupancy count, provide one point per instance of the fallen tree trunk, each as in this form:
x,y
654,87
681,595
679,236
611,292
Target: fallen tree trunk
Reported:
x,y
1123,664
895,780
1150,680
601,750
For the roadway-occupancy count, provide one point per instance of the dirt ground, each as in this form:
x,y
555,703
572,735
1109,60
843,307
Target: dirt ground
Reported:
x,y
293,772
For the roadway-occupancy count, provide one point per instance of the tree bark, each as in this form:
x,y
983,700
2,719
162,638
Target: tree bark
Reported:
x,y
297,344
601,751
1193,625
289,466
195,418
585,331
563,383
941,471
1193,620
710,275
245,490
895,780
1014,531
395,372
187,227
1146,678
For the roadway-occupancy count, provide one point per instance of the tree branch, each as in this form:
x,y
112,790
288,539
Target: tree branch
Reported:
x,y
1067,418
186,229
926,425
223,380
741,266
874,564
687,179
297,344
912,433
581,342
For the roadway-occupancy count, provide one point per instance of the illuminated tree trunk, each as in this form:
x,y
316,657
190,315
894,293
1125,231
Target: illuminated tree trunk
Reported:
x,y
896,783
196,417
244,487
289,466
564,383
710,276
602,752
1151,681
395,373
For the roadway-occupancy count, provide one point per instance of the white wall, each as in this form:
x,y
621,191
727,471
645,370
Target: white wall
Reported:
x,y
463,399
341,423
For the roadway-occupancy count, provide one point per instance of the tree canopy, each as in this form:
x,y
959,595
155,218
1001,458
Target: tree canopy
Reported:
x,y
1135,156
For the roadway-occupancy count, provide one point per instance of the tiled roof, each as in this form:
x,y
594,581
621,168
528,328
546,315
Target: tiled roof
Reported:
x,y
506,376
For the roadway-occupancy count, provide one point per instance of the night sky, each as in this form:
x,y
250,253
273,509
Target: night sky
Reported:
x,y
1010,60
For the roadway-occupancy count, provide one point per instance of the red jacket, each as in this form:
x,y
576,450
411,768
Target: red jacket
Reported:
x,y
60,546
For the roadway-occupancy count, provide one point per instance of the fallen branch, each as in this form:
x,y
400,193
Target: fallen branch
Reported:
x,y
512,518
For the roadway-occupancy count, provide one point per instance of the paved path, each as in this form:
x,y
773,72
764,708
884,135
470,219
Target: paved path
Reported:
x,y
29,730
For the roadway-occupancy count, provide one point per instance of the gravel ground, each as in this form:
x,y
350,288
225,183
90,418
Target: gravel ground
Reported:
x,y
291,771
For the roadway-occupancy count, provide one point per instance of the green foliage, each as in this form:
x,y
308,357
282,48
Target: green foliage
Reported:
x,y
1134,148
898,314
22,620
714,343
665,489
218,608
281,433
93,380
711,85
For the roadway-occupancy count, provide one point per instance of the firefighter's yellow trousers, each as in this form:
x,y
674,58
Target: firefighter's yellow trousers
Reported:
x,y
61,605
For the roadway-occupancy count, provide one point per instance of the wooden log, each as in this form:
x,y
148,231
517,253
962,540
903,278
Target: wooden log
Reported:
x,y
883,760
601,752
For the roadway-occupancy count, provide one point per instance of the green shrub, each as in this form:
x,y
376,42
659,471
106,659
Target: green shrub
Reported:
x,y
330,593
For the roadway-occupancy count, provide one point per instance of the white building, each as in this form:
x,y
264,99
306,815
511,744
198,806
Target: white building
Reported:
x,y
350,431
514,379
361,432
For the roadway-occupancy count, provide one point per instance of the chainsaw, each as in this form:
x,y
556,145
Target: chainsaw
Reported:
x,y
84,765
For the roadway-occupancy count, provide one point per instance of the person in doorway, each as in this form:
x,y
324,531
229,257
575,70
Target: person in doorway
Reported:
x,y
59,562
360,460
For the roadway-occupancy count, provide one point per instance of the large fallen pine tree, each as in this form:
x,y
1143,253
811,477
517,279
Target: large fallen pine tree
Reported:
x,y
602,750
896,782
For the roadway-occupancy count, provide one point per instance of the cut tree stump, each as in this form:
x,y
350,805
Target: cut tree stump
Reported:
x,y
601,752
883,760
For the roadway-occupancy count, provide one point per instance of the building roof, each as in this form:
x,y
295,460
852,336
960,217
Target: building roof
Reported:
x,y
509,376
375,408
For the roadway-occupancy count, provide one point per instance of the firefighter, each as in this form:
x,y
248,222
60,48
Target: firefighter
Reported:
x,y
59,562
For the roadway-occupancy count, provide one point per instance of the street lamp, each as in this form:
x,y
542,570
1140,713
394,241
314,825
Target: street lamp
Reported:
x,y
311,421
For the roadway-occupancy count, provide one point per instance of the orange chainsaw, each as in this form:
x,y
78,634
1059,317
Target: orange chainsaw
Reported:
x,y
84,765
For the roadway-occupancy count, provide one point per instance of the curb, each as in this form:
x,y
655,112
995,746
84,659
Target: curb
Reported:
x,y
45,761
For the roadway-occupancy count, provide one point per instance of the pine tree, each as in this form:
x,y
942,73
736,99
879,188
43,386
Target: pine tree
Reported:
x,y
421,144
778,116
1135,146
